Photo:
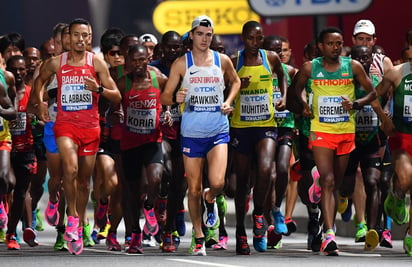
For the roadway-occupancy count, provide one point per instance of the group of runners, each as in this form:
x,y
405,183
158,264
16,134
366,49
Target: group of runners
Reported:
x,y
150,122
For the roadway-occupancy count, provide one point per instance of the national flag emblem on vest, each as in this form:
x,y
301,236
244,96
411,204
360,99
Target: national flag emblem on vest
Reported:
x,y
345,71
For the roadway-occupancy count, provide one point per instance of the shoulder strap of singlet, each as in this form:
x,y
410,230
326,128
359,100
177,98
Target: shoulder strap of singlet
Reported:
x,y
155,82
239,62
265,60
128,83
89,58
63,58
189,59
119,71
216,58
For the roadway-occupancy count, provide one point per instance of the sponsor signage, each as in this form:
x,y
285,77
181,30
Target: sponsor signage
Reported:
x,y
270,8
228,16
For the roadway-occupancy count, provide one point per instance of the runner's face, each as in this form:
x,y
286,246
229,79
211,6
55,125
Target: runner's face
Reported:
x,y
364,56
286,52
138,62
172,49
202,37
80,37
331,46
18,68
364,39
253,39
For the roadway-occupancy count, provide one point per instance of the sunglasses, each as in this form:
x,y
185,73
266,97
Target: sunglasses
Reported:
x,y
114,53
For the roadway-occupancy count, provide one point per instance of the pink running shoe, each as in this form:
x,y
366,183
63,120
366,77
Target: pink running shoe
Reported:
x,y
386,239
315,191
136,244
3,216
151,226
329,246
52,213
76,247
100,216
72,226
222,244
112,243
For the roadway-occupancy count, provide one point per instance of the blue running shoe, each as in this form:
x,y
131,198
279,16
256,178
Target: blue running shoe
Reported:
x,y
260,243
280,225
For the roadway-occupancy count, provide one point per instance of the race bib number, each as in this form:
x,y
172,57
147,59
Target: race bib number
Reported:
x,y
330,109
74,98
141,121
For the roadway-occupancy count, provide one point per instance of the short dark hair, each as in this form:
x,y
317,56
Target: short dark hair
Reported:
x,y
14,58
136,48
169,35
14,39
326,31
78,21
249,25
58,28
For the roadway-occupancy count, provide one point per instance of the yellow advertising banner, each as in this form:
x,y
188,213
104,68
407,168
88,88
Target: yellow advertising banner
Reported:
x,y
228,15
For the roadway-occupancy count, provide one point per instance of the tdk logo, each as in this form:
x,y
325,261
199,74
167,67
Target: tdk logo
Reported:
x,y
332,99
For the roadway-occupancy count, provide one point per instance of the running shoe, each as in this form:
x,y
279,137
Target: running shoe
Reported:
x,y
347,214
342,204
103,232
39,226
11,242
180,222
60,244
71,233
148,242
3,216
396,209
361,230
100,216
386,239
407,244
280,225
259,231
51,214
329,246
75,247
161,210
176,239
315,190
151,226
291,225
314,233
167,243
94,236
210,214
274,240
242,247
127,242
135,244
111,242
192,242
211,237
199,249
371,240
87,236
2,236
222,244
30,237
